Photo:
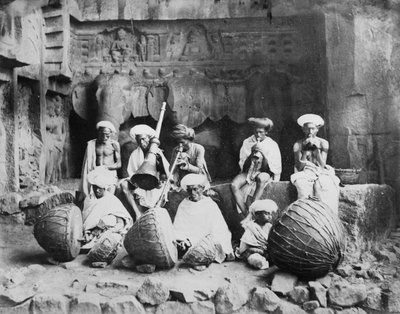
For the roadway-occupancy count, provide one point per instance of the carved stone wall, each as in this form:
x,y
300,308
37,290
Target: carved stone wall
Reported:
x,y
213,69
6,130
28,134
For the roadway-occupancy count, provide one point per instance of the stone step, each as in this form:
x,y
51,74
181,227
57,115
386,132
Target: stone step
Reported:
x,y
52,13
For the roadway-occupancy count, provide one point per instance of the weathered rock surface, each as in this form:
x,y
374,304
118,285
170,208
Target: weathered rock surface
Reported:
x,y
264,299
23,308
172,307
374,299
345,294
353,310
310,305
125,304
49,304
9,203
229,298
88,303
318,292
392,297
299,295
289,308
153,292
283,282
17,294
146,268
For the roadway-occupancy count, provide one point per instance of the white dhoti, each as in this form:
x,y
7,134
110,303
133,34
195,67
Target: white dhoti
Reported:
x,y
318,182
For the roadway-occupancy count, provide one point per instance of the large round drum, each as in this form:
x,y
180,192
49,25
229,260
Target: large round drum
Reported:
x,y
59,232
307,239
150,239
106,248
202,253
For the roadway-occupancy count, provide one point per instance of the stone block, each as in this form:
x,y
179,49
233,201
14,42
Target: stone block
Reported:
x,y
374,299
283,193
310,305
173,307
49,304
88,303
325,281
345,270
321,310
126,304
286,307
318,292
283,282
230,298
345,294
153,292
352,310
146,268
183,295
23,308
393,297
263,299
299,295
9,203
16,294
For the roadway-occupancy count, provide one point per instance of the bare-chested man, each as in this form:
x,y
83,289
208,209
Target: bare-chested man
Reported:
x,y
101,152
313,177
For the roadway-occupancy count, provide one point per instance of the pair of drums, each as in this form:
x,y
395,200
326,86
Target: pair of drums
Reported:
x,y
60,232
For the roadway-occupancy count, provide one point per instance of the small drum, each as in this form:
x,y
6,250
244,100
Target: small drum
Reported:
x,y
202,253
307,239
106,248
150,239
59,232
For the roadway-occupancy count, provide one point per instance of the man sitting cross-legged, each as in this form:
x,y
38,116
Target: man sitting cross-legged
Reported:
x,y
102,210
199,216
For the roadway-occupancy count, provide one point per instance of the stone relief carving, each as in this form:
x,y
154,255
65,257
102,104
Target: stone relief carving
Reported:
x,y
174,47
30,147
55,138
196,47
121,49
141,48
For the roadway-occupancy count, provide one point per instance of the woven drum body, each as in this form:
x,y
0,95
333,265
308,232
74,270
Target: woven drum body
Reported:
x,y
202,253
307,239
150,239
106,248
59,232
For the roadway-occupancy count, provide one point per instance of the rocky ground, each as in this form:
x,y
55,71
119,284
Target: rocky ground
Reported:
x,y
30,284
368,280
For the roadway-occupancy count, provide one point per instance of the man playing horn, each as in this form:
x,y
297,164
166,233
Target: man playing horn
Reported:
x,y
313,177
259,161
138,198
100,152
199,216
101,209
191,159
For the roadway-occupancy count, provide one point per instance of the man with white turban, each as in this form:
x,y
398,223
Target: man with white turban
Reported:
x,y
260,163
199,216
102,210
313,177
100,152
257,225
138,198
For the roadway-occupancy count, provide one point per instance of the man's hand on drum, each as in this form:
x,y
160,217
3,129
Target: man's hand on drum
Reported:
x,y
183,245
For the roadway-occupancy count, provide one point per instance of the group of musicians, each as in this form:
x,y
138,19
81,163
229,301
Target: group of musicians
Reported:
x,y
187,175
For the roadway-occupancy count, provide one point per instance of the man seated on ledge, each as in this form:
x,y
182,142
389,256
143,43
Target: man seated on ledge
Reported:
x,y
198,216
313,177
259,161
138,198
101,209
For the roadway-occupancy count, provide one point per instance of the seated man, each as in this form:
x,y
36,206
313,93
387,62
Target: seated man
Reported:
x,y
257,224
138,198
103,151
191,158
260,162
198,216
313,177
102,210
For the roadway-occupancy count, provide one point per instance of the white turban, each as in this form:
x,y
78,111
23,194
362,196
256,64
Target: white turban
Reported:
x,y
263,206
106,124
310,118
142,129
102,177
195,179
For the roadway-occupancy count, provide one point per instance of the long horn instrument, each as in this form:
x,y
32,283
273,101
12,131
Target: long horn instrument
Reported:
x,y
171,173
146,177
